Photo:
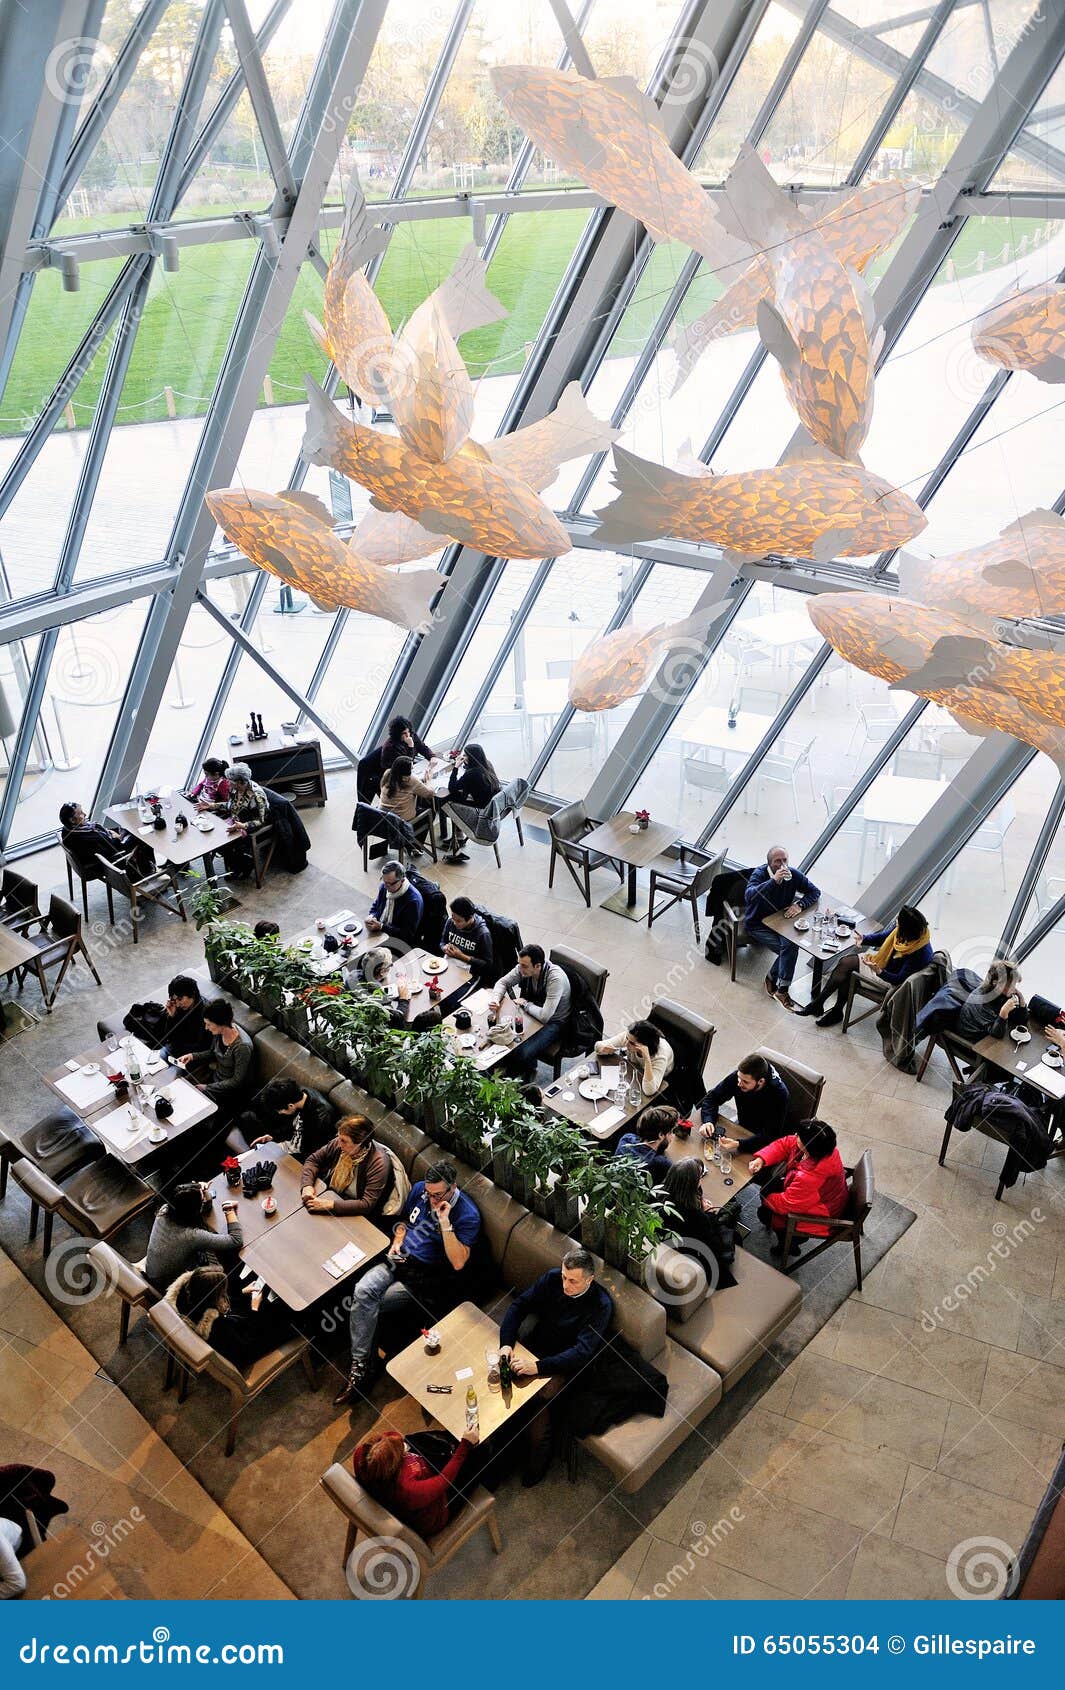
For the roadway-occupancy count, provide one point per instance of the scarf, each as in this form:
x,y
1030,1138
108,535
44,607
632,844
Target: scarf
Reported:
x,y
892,947
343,1173
389,911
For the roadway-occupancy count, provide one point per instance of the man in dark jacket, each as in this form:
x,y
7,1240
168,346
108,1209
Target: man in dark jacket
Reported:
x,y
777,889
287,1113
572,1314
467,939
649,1140
184,1031
86,840
761,1100
397,909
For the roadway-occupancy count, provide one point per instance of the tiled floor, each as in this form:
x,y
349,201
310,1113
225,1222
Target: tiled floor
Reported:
x,y
908,1426
161,1533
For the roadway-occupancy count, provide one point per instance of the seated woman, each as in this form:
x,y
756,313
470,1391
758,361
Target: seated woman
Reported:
x,y
246,808
473,785
242,1336
403,795
223,1070
814,1181
995,1006
181,1239
213,790
374,970
700,1232
898,952
408,1484
351,1175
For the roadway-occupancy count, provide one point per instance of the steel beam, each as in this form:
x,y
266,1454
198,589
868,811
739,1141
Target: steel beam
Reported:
x,y
1036,864
576,51
41,49
262,103
103,107
342,62
227,100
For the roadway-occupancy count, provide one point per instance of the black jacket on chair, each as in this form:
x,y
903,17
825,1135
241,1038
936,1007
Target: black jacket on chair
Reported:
x,y
612,1388
434,912
506,940
292,841
1024,1130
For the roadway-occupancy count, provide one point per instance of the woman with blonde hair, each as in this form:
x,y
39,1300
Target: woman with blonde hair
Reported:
x,y
351,1175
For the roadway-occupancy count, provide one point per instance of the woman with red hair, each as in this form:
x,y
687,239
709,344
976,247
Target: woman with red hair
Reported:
x,y
408,1484
814,1181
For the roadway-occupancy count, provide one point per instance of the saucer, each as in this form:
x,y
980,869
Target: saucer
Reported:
x,y
157,1134
1021,1036
434,965
802,927
91,1068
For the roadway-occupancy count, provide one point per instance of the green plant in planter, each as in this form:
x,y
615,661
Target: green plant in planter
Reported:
x,y
209,900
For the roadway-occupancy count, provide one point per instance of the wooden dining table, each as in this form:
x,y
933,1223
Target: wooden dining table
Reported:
x,y
604,1120
288,1250
465,1334
712,1184
173,846
1025,1062
812,942
92,1098
16,951
482,1053
615,838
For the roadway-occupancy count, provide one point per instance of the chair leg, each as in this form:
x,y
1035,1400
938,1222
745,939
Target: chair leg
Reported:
x,y
231,1432
35,1215
123,1323
499,863
49,1223
858,1259
3,1177
926,1058
168,1377
1001,1181
70,881
84,949
521,836
494,1533
695,916
349,1542
183,1389
943,1146
551,868
730,940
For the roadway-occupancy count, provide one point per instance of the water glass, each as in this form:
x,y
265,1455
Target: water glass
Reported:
x,y
112,1042
725,1164
491,1357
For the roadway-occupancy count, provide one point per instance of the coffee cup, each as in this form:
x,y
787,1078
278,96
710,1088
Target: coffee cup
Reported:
x,y
431,1341
269,1204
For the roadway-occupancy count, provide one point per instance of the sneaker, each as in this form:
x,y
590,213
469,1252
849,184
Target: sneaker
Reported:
x,y
832,1019
783,996
770,985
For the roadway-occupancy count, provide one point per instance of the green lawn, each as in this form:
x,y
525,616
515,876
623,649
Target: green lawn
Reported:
x,y
188,315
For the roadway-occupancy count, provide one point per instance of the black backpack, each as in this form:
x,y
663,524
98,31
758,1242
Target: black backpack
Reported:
x,y
147,1022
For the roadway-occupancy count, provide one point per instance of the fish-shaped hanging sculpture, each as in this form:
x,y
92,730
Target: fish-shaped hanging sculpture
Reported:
x,y
533,454
619,665
855,228
928,651
1021,574
810,508
466,498
1025,330
609,133
291,536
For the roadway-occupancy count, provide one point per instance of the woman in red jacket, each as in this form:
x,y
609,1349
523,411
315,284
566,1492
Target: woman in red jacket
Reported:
x,y
406,1483
814,1181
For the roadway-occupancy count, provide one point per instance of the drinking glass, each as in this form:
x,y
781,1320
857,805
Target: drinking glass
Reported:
x,y
725,1164
112,1042
635,1094
491,1357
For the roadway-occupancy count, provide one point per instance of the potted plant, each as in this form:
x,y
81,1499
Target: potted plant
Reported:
x,y
643,819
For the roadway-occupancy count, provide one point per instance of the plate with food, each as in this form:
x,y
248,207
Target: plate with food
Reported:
x,y
305,945
157,1134
802,927
595,1088
434,965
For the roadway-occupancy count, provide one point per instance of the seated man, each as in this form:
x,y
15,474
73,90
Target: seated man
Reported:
x,y
86,840
646,1052
184,1031
572,1313
285,1113
649,1139
421,1278
397,909
467,939
761,1100
542,992
776,889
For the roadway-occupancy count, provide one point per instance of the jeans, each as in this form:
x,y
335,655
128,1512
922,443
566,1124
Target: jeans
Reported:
x,y
787,953
368,1298
523,1063
407,1308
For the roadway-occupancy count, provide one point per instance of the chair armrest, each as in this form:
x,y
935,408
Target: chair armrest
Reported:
x,y
191,1350
341,1487
116,1271
37,1184
836,1223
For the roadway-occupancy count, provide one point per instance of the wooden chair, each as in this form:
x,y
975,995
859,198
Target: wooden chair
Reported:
x,y
954,1049
150,889
369,1520
59,940
868,986
59,1144
96,1202
736,936
193,1355
399,837
127,1282
19,900
484,830
567,828
843,1229
687,881
594,977
77,870
804,1087
991,1131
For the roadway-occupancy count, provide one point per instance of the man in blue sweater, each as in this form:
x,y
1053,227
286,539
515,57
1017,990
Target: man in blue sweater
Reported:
x,y
397,909
777,889
572,1313
761,1100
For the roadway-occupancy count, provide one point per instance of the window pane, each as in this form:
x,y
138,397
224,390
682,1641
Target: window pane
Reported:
x,y
900,797
487,638
86,682
669,594
190,689
968,905
360,670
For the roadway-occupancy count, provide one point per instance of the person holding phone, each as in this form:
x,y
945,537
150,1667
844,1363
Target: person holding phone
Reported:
x,y
181,1239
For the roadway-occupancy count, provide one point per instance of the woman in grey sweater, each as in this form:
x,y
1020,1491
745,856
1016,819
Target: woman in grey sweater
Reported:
x,y
181,1240
225,1064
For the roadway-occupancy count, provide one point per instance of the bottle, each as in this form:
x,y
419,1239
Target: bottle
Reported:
x,y
472,1416
133,1070
506,1378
